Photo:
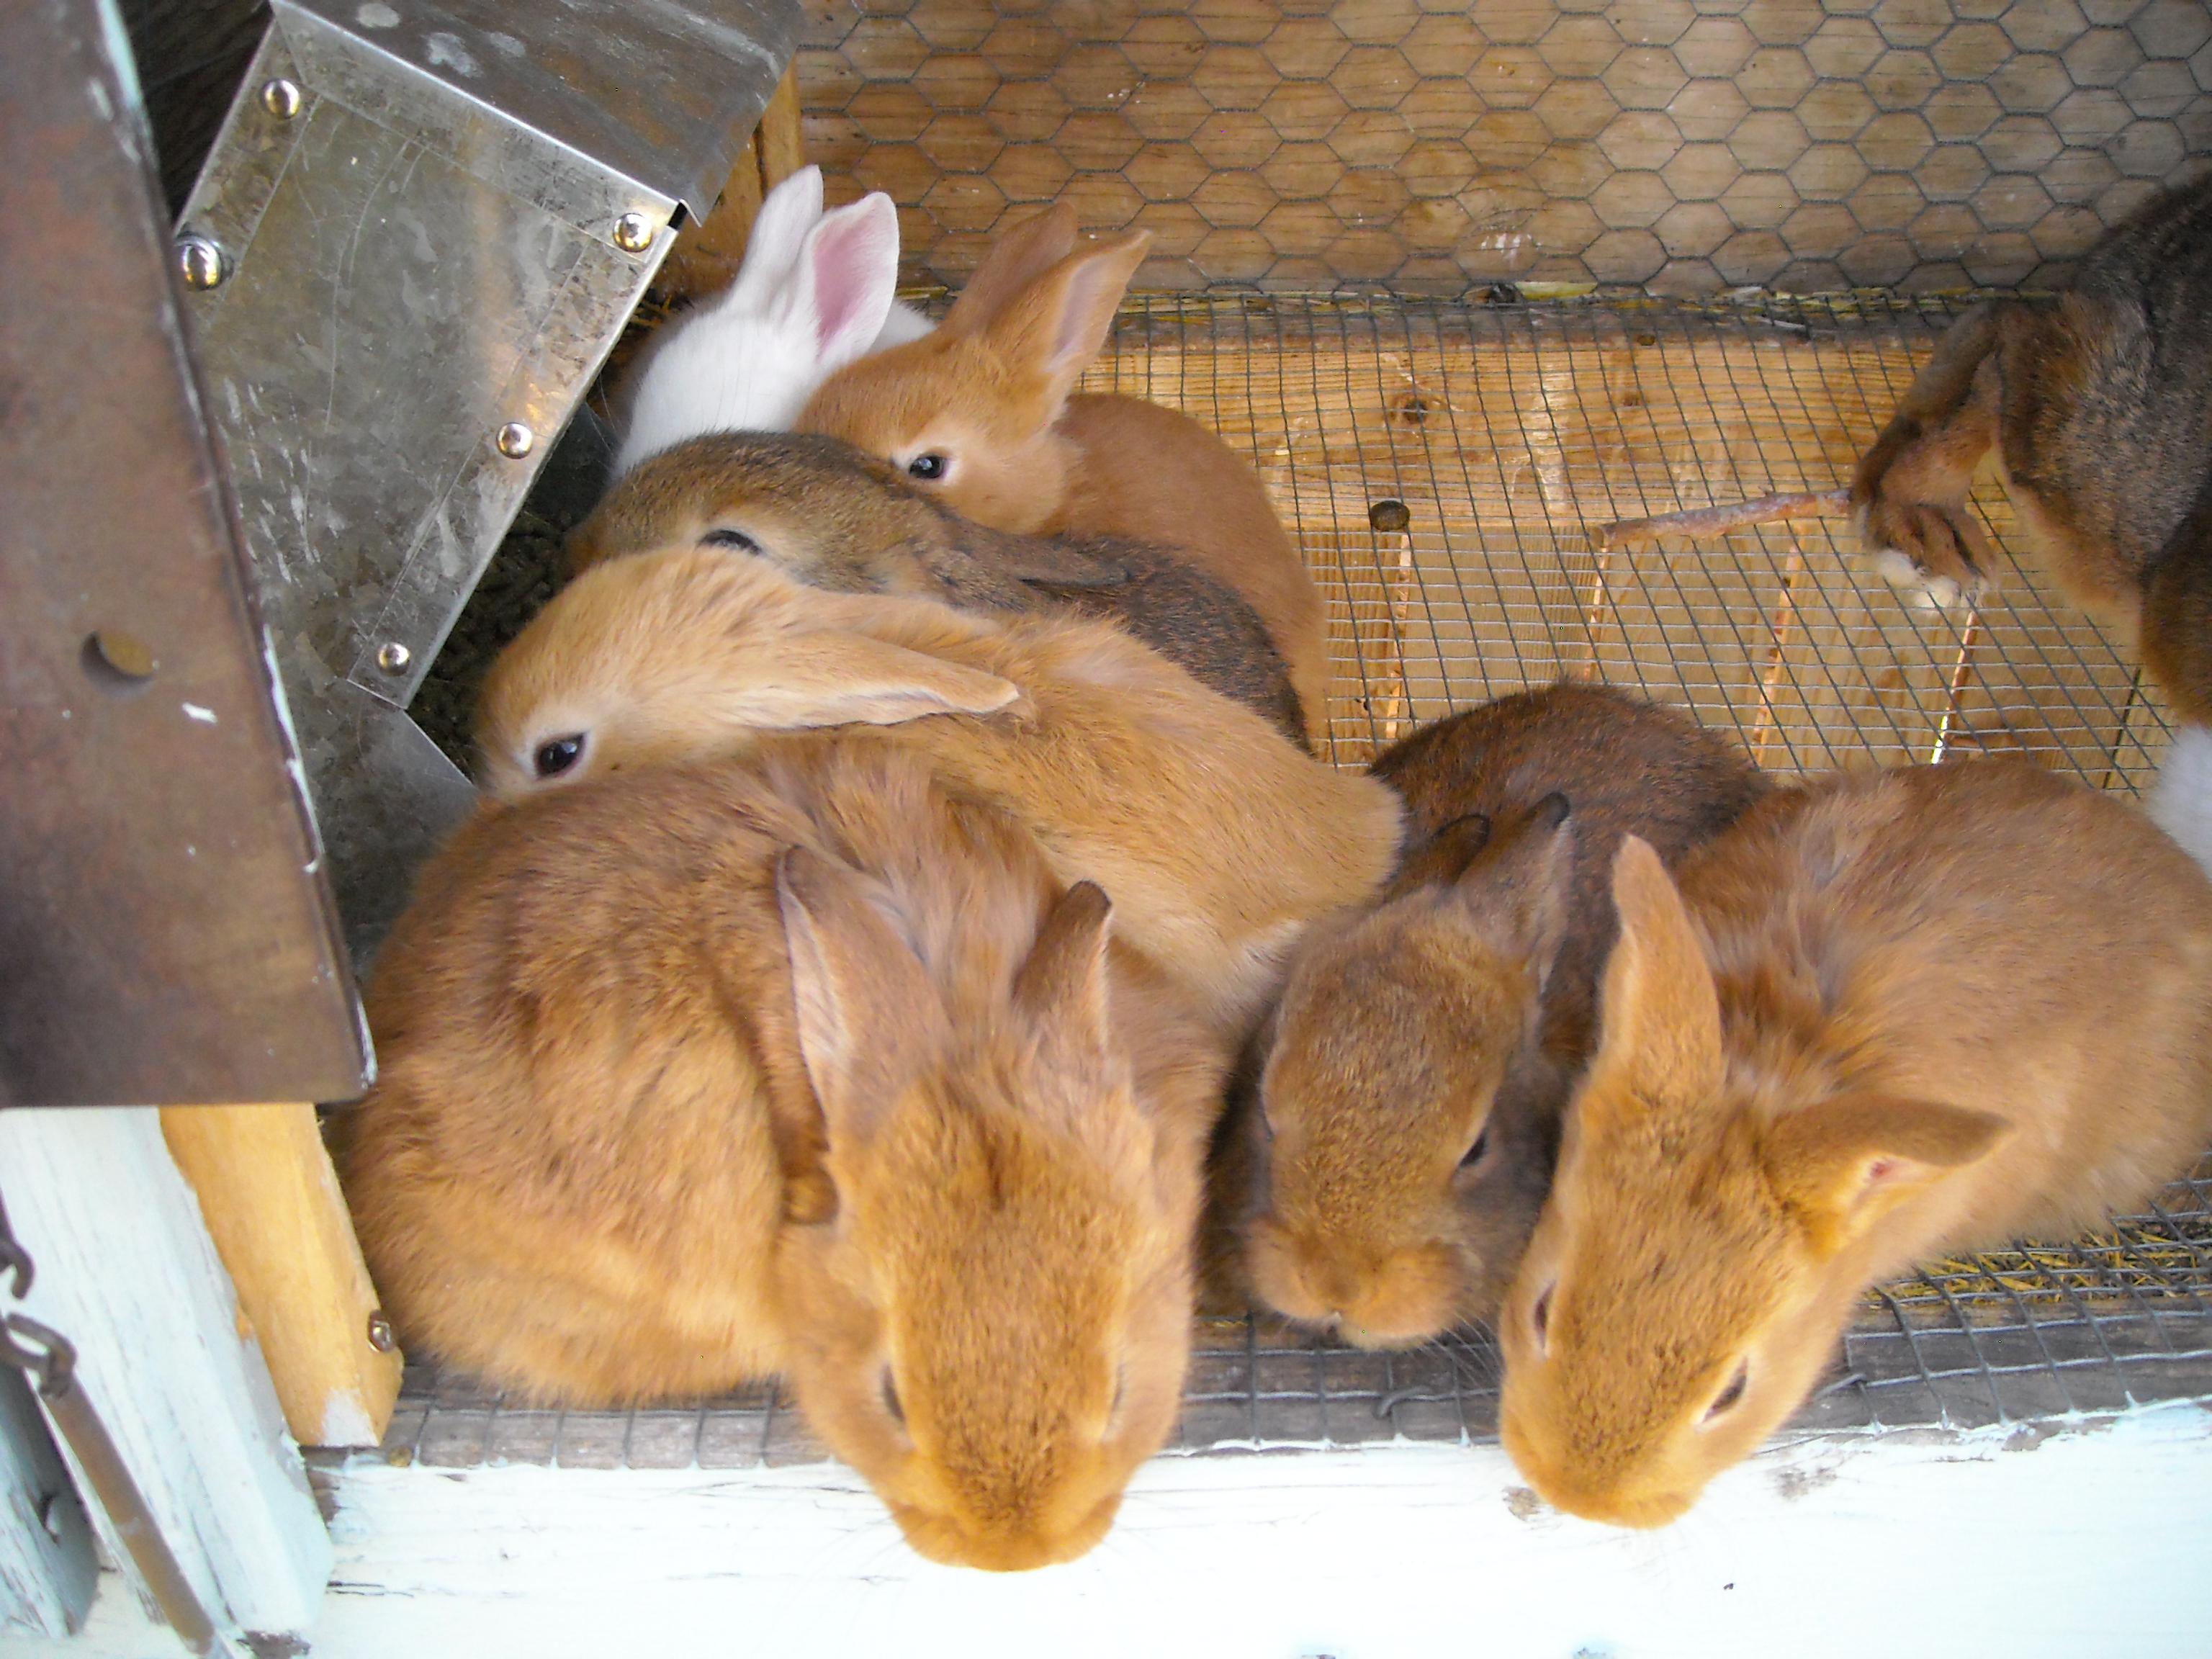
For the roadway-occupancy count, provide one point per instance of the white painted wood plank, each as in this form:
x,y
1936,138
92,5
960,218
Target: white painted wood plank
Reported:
x,y
46,1565
2086,1543
126,1273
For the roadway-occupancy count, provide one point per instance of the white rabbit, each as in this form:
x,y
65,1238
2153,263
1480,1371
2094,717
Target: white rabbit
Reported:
x,y
2181,805
813,294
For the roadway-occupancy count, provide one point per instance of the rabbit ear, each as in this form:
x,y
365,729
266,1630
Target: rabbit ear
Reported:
x,y
1843,1162
1662,1020
1062,985
1062,994
1059,322
786,214
1523,875
869,1018
1015,260
837,678
841,290
1445,856
1055,562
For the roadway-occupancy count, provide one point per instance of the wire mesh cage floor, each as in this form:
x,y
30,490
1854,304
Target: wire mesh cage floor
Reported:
x,y
1442,466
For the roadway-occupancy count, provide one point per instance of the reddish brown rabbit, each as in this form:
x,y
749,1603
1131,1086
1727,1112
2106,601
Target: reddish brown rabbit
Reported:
x,y
981,412
832,517
1424,1047
2099,408
1886,1017
1219,842
594,1169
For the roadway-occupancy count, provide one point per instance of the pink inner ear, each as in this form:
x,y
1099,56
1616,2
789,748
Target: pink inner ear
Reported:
x,y
1077,324
1882,1169
847,258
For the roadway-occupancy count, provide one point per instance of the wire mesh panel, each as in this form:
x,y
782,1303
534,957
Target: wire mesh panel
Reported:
x,y
1444,465
1510,433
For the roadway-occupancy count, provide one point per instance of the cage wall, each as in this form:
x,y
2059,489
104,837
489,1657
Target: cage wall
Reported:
x,y
1687,146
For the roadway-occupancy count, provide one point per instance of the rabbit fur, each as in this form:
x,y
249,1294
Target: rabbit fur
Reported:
x,y
2097,406
594,1169
1425,1045
813,293
836,518
1885,1017
981,412
1217,840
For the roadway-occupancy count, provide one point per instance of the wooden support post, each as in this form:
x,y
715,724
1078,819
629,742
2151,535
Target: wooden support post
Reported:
x,y
271,1203
777,141
128,1274
708,252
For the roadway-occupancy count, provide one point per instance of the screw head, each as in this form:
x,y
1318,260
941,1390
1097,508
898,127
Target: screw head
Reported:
x,y
393,657
633,232
1388,515
514,440
380,1332
202,263
281,98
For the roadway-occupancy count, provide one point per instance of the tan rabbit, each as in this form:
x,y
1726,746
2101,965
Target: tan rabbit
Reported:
x,y
834,517
1217,840
979,412
1424,1049
1886,1017
594,1170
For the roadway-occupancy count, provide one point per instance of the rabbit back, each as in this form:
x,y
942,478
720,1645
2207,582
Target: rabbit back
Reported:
x,y
569,1177
1156,475
1627,765
1995,936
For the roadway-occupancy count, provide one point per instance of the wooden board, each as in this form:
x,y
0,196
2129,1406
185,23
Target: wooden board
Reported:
x,y
128,1274
1512,439
271,1203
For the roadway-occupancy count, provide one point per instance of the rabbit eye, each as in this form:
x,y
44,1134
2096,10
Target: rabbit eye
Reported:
x,y
929,468
1726,1400
1540,1318
735,538
891,1398
1474,1152
557,754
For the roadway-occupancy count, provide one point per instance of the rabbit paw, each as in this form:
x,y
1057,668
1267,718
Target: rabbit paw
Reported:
x,y
1924,588
1938,554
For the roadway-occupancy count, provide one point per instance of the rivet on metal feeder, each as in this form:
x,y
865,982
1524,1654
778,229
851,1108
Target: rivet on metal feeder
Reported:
x,y
202,263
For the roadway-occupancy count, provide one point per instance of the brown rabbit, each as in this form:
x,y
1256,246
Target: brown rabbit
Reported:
x,y
830,516
979,412
1423,1047
2098,406
1886,1017
1218,842
594,1169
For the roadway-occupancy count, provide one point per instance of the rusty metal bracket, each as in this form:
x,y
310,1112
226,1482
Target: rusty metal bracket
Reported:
x,y
166,931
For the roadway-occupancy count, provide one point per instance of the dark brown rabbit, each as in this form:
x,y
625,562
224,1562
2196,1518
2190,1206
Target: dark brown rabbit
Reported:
x,y
2098,406
834,518
1423,1046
